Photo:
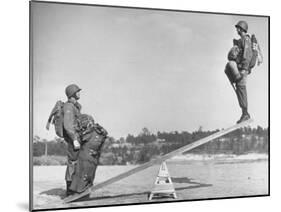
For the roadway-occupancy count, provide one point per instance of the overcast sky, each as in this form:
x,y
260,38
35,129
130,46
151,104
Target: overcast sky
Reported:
x,y
142,68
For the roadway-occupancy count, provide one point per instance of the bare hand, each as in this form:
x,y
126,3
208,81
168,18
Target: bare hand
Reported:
x,y
76,144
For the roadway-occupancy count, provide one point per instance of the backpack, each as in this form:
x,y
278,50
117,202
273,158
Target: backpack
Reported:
x,y
56,118
255,51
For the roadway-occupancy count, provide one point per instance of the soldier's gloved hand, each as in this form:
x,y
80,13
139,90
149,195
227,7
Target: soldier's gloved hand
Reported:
x,y
76,144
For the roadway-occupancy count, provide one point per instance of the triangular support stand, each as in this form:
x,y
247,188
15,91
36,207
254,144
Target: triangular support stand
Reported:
x,y
163,186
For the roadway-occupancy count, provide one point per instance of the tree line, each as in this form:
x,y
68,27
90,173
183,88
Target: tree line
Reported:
x,y
136,149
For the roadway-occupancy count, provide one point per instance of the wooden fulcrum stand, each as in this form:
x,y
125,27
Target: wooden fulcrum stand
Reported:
x,y
163,186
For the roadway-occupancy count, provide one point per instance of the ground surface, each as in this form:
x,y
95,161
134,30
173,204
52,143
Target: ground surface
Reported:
x,y
193,179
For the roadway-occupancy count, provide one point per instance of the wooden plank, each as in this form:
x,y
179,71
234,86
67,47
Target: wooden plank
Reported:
x,y
158,160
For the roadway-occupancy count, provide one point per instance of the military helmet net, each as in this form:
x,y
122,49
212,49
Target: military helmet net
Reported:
x,y
242,25
71,90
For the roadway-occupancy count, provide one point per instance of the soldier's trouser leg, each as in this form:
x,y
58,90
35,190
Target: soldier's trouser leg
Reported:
x,y
72,156
241,92
87,164
70,169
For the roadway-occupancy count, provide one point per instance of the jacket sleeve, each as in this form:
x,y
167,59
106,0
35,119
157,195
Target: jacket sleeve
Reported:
x,y
69,121
247,53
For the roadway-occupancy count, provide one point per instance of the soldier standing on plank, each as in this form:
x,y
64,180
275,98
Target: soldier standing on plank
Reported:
x,y
239,67
71,113
84,140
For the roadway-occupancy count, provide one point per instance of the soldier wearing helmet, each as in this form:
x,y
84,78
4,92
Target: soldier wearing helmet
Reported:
x,y
240,67
71,110
80,129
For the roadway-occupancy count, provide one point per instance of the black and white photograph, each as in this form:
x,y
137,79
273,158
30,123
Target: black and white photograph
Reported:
x,y
136,105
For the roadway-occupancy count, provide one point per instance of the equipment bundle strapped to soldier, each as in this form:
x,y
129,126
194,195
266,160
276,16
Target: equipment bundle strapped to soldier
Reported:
x,y
84,140
242,58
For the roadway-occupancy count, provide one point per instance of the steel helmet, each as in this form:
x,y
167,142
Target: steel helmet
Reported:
x,y
242,25
71,90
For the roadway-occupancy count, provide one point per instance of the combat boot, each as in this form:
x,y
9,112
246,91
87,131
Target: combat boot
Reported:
x,y
68,191
244,117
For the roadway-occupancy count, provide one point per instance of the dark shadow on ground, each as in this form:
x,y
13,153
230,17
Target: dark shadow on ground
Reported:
x,y
184,180
55,192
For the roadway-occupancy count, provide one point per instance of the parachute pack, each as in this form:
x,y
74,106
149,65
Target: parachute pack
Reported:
x,y
256,56
86,124
56,118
